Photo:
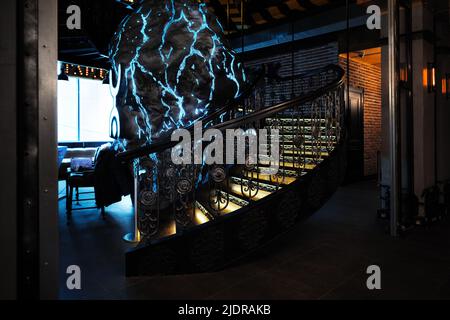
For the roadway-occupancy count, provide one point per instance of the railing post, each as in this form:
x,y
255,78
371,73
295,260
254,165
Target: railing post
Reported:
x,y
393,31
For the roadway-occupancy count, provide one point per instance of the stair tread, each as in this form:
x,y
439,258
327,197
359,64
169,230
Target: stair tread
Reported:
x,y
237,190
233,205
291,157
201,214
288,178
291,165
303,153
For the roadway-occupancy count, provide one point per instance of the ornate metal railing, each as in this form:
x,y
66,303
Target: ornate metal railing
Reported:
x,y
171,198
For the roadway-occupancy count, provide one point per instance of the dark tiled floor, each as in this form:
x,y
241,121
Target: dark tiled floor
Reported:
x,y
324,257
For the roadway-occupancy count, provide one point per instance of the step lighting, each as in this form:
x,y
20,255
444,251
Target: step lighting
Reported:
x,y
200,217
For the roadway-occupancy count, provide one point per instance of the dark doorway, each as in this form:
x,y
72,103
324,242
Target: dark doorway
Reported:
x,y
355,171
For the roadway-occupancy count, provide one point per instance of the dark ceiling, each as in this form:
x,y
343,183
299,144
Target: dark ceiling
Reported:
x,y
99,21
254,15
89,46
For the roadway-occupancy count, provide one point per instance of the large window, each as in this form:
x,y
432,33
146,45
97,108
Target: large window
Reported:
x,y
84,108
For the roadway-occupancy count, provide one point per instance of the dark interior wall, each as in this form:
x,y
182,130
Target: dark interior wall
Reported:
x,y
368,77
423,106
443,133
305,59
8,151
443,104
423,101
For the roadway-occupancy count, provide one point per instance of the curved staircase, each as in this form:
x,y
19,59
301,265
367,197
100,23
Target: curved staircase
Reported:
x,y
197,218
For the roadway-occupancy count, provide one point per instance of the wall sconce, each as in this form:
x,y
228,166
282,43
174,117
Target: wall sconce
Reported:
x,y
431,81
404,73
446,86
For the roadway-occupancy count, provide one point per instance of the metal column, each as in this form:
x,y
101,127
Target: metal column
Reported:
x,y
394,116
37,216
27,169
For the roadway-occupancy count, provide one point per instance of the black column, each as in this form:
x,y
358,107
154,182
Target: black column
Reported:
x,y
27,148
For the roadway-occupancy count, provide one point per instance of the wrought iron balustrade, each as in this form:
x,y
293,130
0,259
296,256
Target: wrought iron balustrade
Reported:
x,y
174,198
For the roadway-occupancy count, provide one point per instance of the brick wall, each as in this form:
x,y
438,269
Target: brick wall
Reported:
x,y
363,75
368,77
304,60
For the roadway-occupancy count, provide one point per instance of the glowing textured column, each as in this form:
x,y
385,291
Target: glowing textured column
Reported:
x,y
177,67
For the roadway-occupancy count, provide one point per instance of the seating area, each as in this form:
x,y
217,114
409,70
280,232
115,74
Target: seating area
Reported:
x,y
72,153
77,172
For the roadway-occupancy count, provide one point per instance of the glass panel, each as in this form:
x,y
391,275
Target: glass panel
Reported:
x,y
96,104
68,110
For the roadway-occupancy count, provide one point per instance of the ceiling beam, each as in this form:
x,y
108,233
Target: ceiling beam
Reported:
x,y
260,6
221,13
306,4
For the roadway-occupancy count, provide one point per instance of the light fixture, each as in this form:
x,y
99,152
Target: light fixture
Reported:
x,y
404,73
431,81
446,86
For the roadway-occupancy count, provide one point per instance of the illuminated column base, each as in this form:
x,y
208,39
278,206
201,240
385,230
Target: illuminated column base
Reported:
x,y
132,237
135,237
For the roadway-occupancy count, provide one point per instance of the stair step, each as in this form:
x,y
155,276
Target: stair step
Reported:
x,y
201,214
308,140
234,204
295,127
291,165
270,188
300,153
292,130
289,177
264,190
290,148
288,133
295,119
293,158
